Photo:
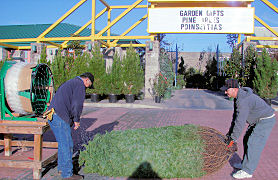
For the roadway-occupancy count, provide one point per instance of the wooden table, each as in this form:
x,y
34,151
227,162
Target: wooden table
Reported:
x,y
26,127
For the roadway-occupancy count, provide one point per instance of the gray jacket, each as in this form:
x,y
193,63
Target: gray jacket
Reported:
x,y
249,108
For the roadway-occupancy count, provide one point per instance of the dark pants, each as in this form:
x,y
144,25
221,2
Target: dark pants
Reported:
x,y
62,134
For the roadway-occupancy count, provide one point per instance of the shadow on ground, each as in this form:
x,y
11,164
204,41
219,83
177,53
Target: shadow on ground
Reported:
x,y
145,171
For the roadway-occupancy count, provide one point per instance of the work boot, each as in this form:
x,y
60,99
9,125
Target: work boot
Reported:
x,y
241,175
74,177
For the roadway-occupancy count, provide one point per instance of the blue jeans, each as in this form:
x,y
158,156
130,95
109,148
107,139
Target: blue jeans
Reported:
x,y
62,134
256,144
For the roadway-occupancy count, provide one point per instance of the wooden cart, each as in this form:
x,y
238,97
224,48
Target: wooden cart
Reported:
x,y
43,152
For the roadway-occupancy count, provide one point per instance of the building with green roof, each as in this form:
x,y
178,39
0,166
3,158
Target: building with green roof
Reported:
x,y
31,31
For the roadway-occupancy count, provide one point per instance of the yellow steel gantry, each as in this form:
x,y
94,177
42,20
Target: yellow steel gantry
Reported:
x,y
111,41
254,38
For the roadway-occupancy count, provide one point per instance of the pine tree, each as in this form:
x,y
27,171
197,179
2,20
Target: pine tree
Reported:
x,y
58,67
97,68
211,73
250,58
233,66
132,72
79,65
113,78
266,78
43,57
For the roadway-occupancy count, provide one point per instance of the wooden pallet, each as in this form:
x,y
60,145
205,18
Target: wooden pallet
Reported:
x,y
26,127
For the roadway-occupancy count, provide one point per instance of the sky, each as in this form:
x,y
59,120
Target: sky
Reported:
x,y
21,12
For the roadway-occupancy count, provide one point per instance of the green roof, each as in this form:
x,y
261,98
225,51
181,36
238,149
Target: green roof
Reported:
x,y
34,30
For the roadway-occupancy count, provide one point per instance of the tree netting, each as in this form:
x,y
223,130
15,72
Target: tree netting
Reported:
x,y
216,153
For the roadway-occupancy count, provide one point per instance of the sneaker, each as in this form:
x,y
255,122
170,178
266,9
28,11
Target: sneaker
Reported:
x,y
237,165
241,175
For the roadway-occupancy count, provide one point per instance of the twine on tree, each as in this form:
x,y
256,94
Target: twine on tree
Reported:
x,y
216,152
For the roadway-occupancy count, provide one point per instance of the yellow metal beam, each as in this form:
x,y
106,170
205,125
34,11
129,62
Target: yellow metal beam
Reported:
x,y
266,25
128,45
62,18
132,27
29,47
108,24
127,6
26,47
274,8
239,38
123,37
105,4
86,25
104,43
119,17
52,43
8,45
72,38
93,20
267,46
264,38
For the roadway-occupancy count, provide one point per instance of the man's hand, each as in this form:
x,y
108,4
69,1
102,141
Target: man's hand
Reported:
x,y
76,125
229,141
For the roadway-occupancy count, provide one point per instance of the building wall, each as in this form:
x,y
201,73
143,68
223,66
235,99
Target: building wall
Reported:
x,y
191,59
3,54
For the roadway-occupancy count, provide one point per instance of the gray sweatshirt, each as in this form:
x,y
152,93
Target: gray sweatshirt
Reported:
x,y
249,109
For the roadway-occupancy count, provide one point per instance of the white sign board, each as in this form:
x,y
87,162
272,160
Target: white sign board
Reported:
x,y
201,20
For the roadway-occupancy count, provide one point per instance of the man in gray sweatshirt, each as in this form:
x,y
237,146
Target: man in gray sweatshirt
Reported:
x,y
251,109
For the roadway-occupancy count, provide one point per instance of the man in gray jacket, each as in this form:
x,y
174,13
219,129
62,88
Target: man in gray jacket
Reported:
x,y
249,108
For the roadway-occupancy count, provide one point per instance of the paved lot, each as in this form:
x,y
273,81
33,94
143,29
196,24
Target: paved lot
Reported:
x,y
200,107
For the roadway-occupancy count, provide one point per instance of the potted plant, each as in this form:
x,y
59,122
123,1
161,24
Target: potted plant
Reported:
x,y
113,82
132,74
166,68
159,86
97,68
266,78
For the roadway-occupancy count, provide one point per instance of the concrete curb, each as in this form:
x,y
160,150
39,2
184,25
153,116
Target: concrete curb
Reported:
x,y
131,105
134,106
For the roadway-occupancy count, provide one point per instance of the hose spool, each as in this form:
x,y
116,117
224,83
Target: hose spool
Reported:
x,y
27,88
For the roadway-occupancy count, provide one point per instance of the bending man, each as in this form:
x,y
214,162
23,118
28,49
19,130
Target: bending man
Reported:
x,y
249,108
68,105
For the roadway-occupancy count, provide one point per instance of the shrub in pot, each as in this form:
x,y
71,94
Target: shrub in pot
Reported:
x,y
97,68
113,80
166,69
159,86
132,74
